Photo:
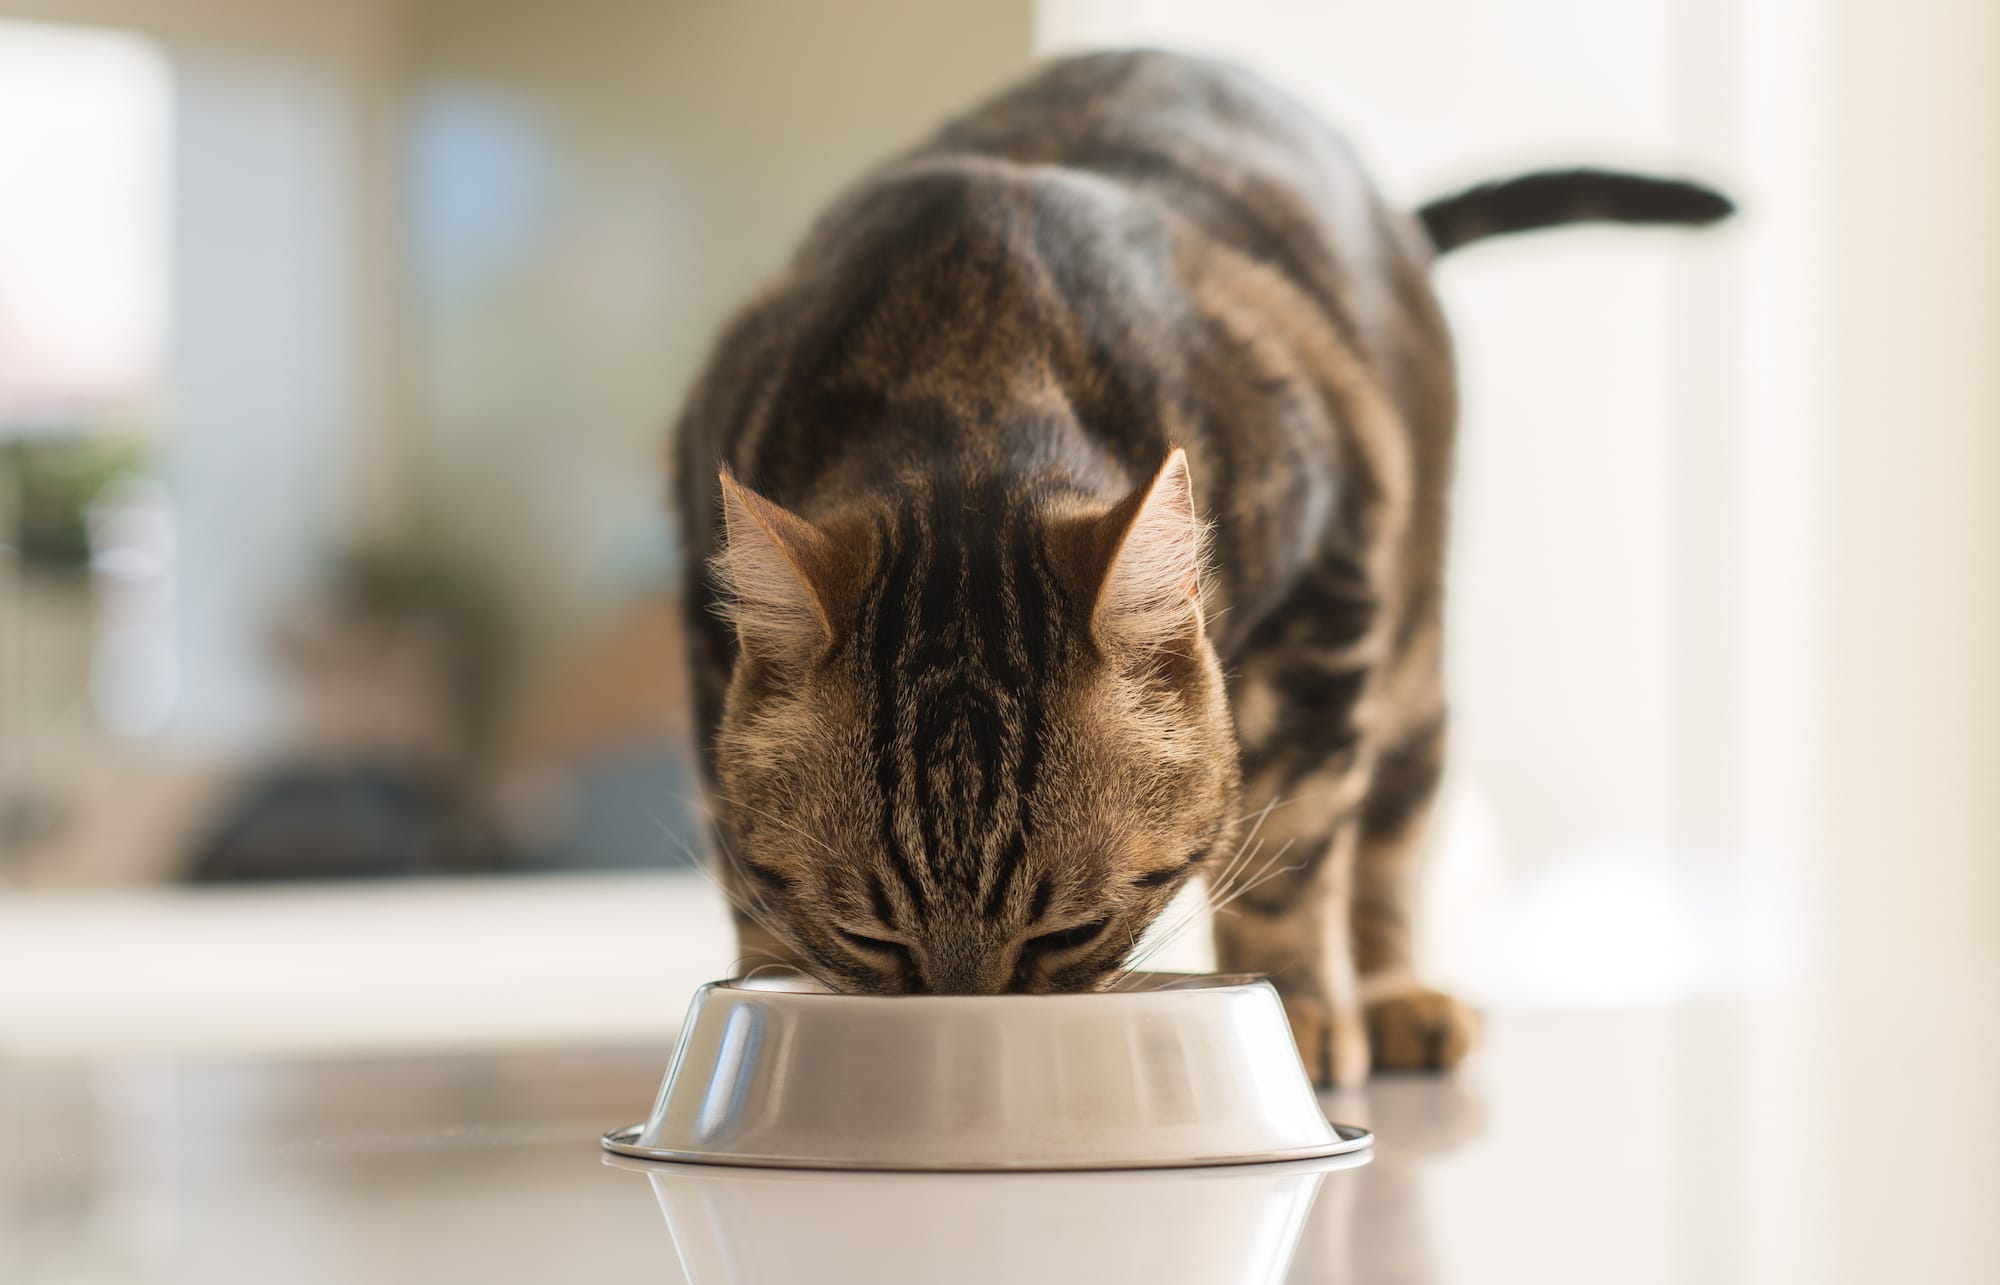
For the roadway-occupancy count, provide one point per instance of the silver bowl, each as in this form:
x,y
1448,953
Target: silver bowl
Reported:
x,y
1165,1072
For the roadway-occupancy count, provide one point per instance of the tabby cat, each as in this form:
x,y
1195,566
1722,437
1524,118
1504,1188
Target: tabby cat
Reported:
x,y
1075,503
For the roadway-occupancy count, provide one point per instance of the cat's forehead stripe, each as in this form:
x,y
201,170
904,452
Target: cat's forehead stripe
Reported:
x,y
883,629
953,632
1026,594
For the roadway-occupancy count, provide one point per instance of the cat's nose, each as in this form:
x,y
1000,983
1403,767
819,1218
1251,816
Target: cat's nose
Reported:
x,y
963,974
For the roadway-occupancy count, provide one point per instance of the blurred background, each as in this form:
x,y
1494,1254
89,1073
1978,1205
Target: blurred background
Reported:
x,y
341,703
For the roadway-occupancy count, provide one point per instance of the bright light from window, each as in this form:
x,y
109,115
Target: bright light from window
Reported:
x,y
84,120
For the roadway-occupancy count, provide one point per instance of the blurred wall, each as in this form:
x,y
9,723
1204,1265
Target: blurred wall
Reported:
x,y
1905,733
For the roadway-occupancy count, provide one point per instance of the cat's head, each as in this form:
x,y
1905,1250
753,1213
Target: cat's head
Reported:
x,y
976,738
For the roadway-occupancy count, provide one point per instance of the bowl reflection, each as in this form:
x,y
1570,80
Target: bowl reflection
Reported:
x,y
1217,1226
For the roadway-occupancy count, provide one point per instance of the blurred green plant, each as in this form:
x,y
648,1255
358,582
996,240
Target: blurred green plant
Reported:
x,y
47,483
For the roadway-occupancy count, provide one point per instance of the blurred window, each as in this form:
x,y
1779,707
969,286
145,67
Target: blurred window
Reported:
x,y
83,230
86,542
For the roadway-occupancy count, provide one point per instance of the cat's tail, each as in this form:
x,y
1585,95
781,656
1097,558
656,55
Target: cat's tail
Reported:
x,y
1553,198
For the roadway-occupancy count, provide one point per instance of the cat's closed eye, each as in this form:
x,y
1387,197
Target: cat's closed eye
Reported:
x,y
1064,939
876,945
894,959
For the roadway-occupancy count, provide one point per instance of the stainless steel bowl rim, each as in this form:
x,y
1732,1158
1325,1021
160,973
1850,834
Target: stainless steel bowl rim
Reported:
x,y
1349,1139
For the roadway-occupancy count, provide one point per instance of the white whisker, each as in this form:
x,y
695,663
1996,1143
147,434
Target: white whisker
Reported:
x,y
1215,904
752,907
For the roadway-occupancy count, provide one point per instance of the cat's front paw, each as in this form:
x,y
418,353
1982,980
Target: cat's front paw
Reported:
x,y
1332,1044
1419,1029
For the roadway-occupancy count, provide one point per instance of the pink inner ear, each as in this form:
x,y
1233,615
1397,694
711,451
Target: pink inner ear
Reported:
x,y
766,550
1152,591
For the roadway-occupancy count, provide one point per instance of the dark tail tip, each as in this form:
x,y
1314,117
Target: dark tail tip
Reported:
x,y
1685,202
1557,198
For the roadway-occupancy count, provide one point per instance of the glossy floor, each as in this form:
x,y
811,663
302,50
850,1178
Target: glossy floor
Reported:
x,y
1577,1148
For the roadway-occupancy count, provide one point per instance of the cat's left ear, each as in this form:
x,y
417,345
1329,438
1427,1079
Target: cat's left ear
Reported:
x,y
778,570
1149,600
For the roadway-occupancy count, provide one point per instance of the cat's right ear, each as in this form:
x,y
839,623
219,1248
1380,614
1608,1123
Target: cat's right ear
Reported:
x,y
775,567
1149,549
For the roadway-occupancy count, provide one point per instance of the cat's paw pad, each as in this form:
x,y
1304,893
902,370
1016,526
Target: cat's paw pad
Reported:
x,y
1333,1046
1420,1030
